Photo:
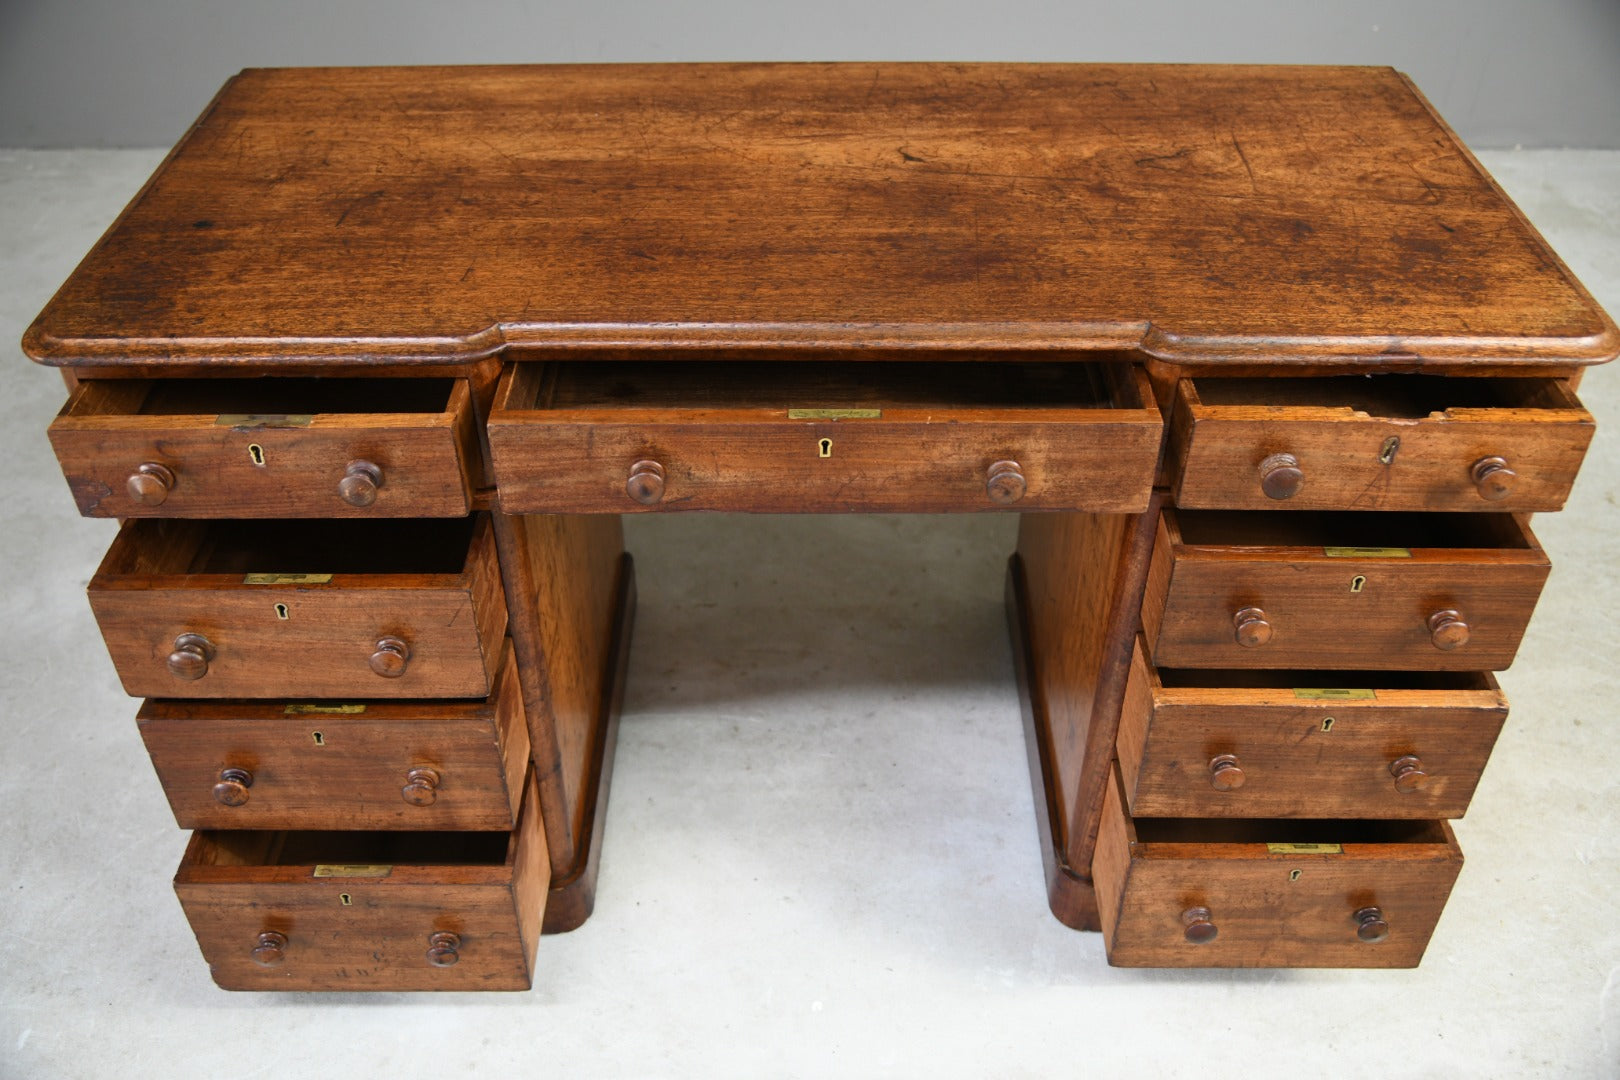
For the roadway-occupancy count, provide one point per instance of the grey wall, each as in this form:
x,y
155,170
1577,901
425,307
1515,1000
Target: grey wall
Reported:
x,y
135,72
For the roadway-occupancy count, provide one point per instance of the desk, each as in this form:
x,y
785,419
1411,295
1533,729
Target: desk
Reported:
x,y
376,360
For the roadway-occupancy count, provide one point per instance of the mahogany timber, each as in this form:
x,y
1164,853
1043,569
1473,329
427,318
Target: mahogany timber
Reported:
x,y
782,437
356,911
334,591
312,764
1449,592
1306,744
1267,898
1389,442
1197,213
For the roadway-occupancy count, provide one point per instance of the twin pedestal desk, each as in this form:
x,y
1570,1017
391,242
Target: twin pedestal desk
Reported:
x,y
1273,373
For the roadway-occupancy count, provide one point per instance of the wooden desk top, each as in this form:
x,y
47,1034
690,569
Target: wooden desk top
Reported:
x,y
1201,214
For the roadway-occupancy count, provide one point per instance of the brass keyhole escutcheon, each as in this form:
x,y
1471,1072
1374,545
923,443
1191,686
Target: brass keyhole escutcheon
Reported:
x,y
1327,723
281,612
1358,583
318,737
345,899
1392,445
256,452
1295,875
824,448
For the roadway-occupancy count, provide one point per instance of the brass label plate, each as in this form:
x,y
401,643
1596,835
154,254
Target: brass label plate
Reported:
x,y
1367,553
1327,693
324,710
286,579
257,421
1305,849
370,870
835,414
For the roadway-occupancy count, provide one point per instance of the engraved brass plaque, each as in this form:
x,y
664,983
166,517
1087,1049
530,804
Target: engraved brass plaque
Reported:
x,y
1367,553
371,870
286,579
256,421
1324,693
323,710
835,414
1305,849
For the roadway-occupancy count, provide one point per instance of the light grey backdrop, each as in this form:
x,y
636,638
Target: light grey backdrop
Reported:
x,y
135,72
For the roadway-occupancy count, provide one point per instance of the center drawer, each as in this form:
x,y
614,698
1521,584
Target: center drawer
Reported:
x,y
611,437
369,910
303,609
1317,589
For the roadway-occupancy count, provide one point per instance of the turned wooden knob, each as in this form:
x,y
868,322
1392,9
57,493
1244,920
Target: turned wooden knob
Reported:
x,y
190,657
1492,478
270,949
1408,773
360,483
421,787
1251,627
1225,774
150,483
1447,630
391,657
1200,930
1005,482
1280,476
442,948
232,789
646,483
1370,925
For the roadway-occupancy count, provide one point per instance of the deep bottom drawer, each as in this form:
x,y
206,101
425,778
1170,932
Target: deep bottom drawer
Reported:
x,y
1265,893
368,911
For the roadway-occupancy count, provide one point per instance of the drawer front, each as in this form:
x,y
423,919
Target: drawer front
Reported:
x,y
345,635
1194,900
371,920
1320,444
1213,747
373,765
121,461
560,449
1287,605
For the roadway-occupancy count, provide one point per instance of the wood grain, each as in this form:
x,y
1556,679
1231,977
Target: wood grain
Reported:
x,y
1198,213
315,764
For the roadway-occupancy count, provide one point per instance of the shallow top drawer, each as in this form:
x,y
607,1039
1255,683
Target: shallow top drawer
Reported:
x,y
255,448
786,437
1382,442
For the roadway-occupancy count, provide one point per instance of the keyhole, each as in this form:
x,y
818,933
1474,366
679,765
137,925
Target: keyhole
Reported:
x,y
256,452
345,899
319,737
1327,723
1294,875
826,447
281,612
1358,583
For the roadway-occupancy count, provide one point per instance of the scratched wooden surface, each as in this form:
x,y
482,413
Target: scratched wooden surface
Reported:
x,y
1201,213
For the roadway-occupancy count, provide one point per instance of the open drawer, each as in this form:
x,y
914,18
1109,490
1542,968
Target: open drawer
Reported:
x,y
1320,589
815,437
1379,442
369,910
268,447
1176,892
303,609
1308,744
362,765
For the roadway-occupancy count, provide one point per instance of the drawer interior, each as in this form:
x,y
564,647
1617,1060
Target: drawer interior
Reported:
x,y
348,546
1287,831
1348,528
256,847
1197,678
260,397
779,385
1396,397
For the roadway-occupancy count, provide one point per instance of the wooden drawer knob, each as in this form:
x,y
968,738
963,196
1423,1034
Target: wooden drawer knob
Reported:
x,y
1447,630
360,483
443,948
1252,629
150,483
1005,482
270,949
1280,476
189,660
646,483
1225,774
1492,478
421,787
1408,773
1200,927
391,657
1370,925
232,789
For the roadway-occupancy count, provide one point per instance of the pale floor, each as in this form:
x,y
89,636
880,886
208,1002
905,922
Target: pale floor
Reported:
x,y
820,853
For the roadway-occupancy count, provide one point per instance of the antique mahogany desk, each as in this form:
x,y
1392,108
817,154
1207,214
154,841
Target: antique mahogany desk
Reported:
x,y
1273,372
